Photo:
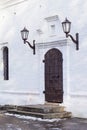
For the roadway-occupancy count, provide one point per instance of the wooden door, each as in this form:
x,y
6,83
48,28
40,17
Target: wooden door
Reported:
x,y
53,76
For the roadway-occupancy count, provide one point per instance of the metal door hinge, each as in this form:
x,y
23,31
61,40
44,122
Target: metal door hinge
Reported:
x,y
43,61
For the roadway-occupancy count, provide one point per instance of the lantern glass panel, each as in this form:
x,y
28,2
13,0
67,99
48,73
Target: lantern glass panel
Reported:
x,y
24,34
66,26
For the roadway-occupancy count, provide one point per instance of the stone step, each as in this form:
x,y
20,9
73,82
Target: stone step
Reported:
x,y
63,114
49,110
41,108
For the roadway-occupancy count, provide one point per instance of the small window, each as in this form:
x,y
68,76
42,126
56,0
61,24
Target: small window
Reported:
x,y
52,29
5,63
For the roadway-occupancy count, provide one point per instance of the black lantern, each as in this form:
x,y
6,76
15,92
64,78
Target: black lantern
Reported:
x,y
66,28
24,35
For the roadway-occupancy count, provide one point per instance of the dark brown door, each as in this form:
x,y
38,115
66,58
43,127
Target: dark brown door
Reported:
x,y
53,76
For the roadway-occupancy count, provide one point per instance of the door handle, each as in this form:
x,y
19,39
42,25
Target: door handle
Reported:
x,y
44,91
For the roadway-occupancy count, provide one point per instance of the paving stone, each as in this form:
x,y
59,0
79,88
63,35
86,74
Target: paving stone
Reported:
x,y
12,122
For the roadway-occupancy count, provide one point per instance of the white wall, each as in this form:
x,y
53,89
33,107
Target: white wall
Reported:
x,y
26,80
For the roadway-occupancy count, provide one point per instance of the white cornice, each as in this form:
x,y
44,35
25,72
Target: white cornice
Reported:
x,y
9,3
52,18
57,43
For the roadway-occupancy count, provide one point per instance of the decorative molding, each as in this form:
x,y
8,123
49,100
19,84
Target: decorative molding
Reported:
x,y
4,43
57,43
52,18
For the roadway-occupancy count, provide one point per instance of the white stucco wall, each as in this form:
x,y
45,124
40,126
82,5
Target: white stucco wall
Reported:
x,y
26,71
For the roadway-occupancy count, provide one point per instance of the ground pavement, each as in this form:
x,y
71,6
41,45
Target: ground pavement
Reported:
x,y
17,122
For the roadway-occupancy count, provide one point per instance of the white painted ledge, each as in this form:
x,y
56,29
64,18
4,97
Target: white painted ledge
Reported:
x,y
80,94
20,93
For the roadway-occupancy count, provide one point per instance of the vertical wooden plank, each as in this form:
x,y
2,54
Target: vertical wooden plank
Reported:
x,y
53,76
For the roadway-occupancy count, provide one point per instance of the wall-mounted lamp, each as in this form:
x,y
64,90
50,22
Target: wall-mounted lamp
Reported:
x,y
24,35
66,28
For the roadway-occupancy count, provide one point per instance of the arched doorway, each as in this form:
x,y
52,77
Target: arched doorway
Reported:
x,y
53,76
